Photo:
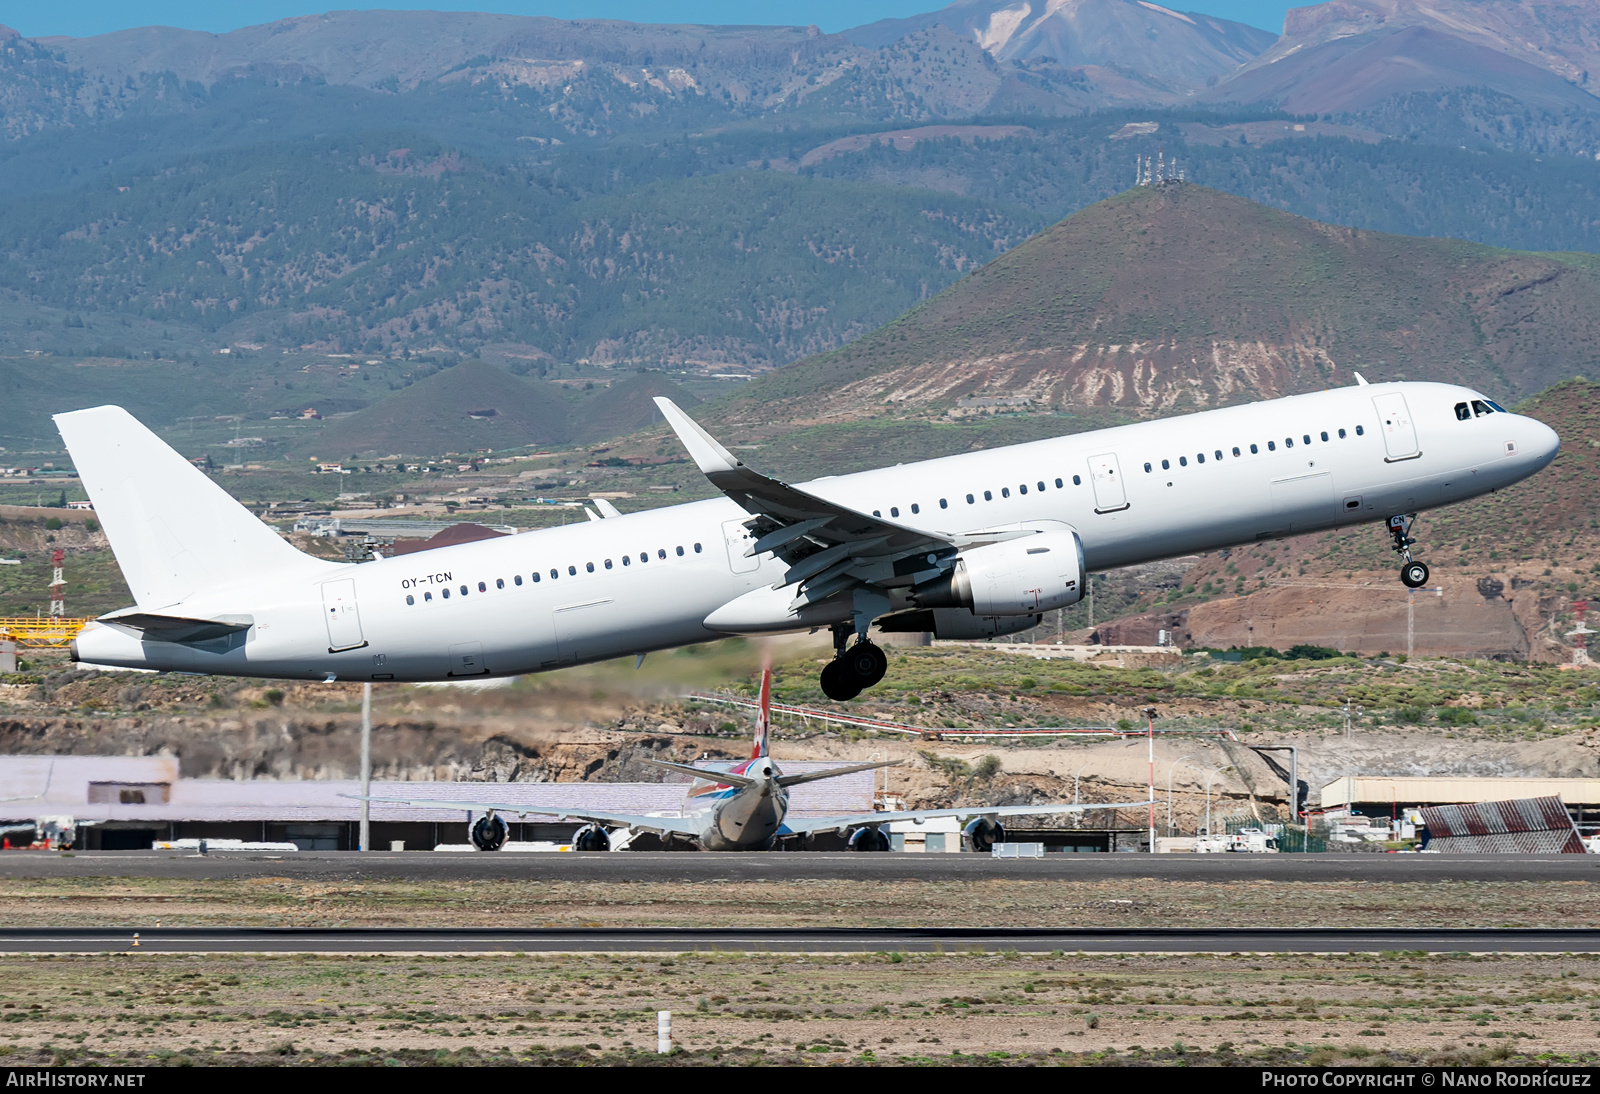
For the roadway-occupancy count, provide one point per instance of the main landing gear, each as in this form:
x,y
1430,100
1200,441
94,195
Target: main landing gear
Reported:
x,y
852,670
1413,574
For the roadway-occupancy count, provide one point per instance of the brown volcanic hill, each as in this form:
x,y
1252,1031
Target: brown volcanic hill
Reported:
x,y
1178,296
460,409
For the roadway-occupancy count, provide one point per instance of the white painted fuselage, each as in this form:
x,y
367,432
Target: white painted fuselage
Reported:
x,y
648,581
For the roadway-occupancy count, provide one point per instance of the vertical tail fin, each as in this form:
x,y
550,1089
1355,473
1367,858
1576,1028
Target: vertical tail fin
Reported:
x,y
173,530
763,713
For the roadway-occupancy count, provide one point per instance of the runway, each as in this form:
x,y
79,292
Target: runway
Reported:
x,y
357,940
689,866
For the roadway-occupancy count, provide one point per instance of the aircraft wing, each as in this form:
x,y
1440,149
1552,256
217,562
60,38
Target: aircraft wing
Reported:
x,y
681,826
829,547
801,826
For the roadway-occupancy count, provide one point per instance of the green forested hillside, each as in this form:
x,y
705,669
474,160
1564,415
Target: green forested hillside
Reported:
x,y
400,243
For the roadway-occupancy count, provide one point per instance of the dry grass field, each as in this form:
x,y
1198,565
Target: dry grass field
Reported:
x,y
889,1008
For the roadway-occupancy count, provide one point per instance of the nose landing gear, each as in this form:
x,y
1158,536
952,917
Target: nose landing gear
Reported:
x,y
852,670
1413,574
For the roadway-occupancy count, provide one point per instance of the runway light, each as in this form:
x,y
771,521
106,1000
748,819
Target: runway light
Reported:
x,y
663,1031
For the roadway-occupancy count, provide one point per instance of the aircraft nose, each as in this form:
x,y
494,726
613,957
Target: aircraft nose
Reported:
x,y
1539,441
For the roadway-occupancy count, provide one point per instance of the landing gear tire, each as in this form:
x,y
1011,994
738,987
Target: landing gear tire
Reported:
x,y
838,683
1414,575
867,663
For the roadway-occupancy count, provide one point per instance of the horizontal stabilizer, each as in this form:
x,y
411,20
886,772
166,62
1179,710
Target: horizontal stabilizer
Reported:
x,y
727,778
177,628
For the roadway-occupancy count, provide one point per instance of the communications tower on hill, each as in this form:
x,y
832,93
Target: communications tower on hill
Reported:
x,y
58,585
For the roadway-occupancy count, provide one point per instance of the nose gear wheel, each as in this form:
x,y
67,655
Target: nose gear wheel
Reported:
x,y
1413,574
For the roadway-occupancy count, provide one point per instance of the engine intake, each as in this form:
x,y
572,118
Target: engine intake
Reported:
x,y
591,837
1025,576
489,832
983,833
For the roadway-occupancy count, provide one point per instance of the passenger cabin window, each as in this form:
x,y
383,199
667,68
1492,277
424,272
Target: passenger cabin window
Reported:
x,y
1219,453
1041,488
915,508
608,564
943,504
1200,457
482,588
518,578
1288,442
970,499
680,552
627,560
589,566
1361,430
1341,434
1166,465
1236,450
894,511
1023,488
463,590
411,600
1077,481
535,576
1272,446
1183,461
1254,450
426,597
644,556
1058,484
1147,467
663,553
1324,434
1308,438
696,548
445,593
987,496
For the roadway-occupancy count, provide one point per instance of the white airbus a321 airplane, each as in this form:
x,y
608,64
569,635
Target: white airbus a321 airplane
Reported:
x,y
745,807
965,546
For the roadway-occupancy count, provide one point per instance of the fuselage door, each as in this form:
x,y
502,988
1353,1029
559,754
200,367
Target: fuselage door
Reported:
x,y
1109,496
344,618
738,538
466,659
1399,434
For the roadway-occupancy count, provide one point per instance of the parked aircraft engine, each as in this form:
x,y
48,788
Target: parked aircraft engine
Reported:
x,y
983,833
489,832
591,837
872,838
1025,576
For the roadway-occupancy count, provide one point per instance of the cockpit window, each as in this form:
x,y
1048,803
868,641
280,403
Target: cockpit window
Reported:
x,y
1480,408
1496,407
1463,413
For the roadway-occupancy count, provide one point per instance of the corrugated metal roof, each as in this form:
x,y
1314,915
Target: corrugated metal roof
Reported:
x,y
1525,825
1445,789
267,800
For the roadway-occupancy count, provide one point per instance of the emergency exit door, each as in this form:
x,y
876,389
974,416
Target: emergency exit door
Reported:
x,y
342,615
1106,475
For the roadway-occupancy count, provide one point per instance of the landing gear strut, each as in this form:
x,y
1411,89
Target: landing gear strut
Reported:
x,y
852,670
1413,574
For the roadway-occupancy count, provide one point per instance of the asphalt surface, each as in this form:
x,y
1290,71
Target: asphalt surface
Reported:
x,y
809,866
57,940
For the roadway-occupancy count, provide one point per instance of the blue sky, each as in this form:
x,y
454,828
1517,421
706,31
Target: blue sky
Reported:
x,y
79,18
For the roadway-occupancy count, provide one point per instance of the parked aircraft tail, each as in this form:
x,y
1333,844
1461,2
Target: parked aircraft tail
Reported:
x,y
764,712
173,530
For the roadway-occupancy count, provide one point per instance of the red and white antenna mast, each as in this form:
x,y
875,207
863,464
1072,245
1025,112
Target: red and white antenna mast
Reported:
x,y
58,585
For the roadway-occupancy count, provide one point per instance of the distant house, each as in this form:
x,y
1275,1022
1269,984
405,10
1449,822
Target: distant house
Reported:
x,y
80,505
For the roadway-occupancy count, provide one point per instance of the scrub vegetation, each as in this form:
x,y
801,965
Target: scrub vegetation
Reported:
x,y
972,1009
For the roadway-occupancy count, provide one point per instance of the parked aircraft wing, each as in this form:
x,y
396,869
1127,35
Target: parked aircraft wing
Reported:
x,y
801,826
681,826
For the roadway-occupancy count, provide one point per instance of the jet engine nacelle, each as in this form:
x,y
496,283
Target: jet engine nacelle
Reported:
x,y
591,837
870,838
1025,576
489,832
983,833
